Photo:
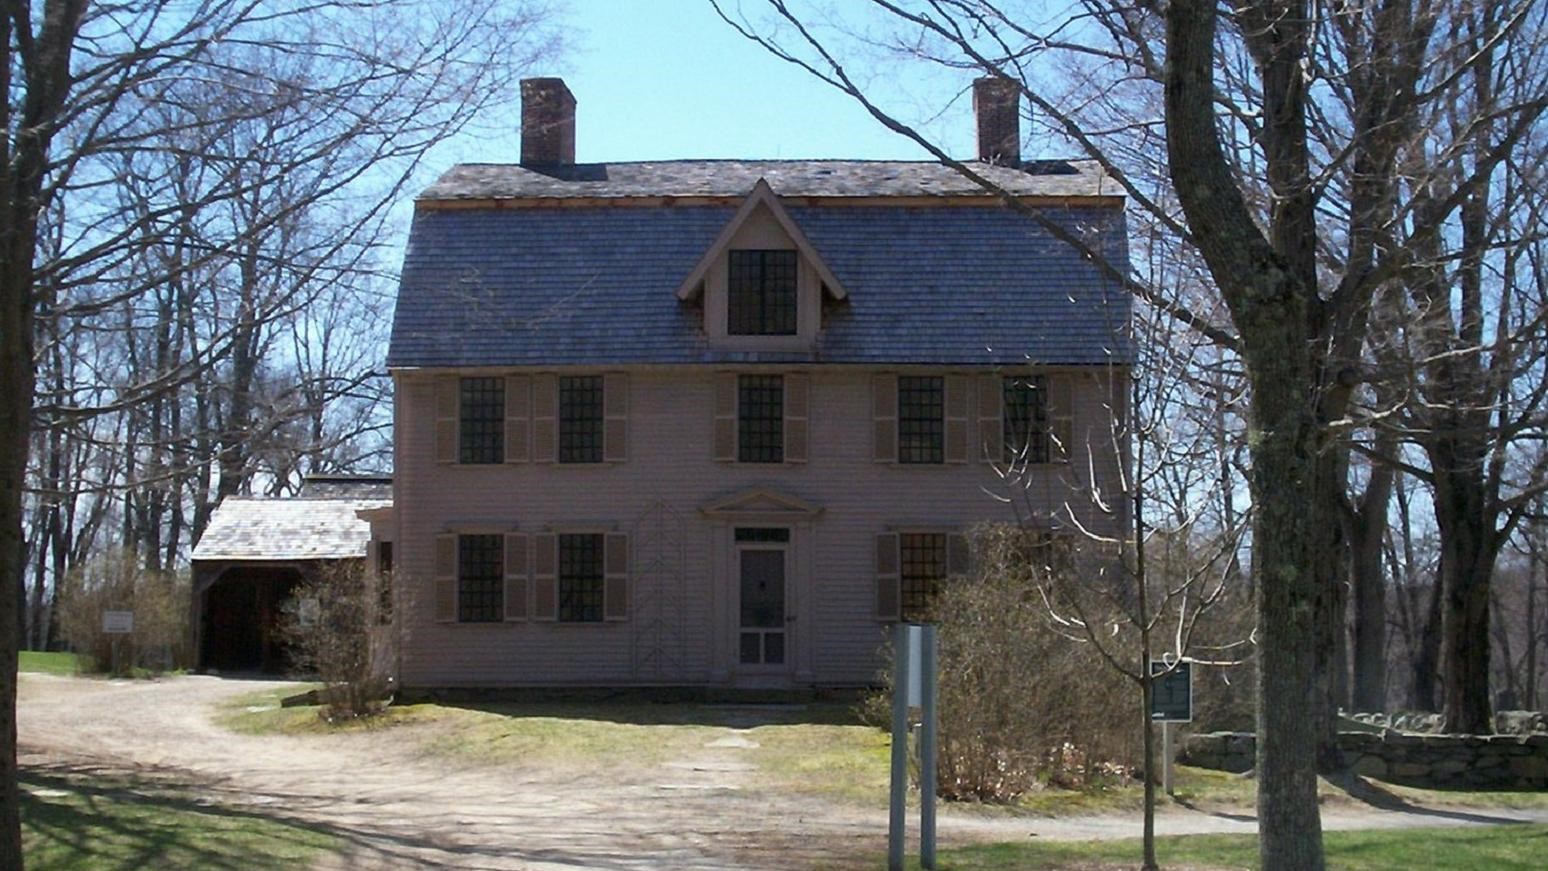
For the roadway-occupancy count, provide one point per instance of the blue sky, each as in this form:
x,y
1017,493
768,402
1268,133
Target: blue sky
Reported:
x,y
666,79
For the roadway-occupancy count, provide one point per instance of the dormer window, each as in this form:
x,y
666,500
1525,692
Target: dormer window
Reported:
x,y
761,290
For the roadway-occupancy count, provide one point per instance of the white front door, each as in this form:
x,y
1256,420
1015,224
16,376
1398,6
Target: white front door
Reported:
x,y
762,603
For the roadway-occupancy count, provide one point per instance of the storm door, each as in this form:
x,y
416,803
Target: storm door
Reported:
x,y
761,569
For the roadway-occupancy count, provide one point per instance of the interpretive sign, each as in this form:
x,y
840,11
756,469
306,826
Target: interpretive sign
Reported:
x,y
117,622
1171,693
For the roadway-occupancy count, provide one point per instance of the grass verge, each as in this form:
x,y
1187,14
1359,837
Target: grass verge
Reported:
x,y
47,663
1501,848
69,824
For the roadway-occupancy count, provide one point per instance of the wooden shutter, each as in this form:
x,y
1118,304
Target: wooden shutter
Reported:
x,y
889,580
957,387
725,416
1061,417
959,556
884,414
991,422
545,577
545,418
446,390
797,411
518,413
445,592
615,417
615,572
516,572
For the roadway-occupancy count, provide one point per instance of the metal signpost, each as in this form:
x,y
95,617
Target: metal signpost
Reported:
x,y
913,685
1171,701
116,623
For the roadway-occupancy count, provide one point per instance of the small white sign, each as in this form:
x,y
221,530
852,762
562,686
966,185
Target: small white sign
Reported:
x,y
117,622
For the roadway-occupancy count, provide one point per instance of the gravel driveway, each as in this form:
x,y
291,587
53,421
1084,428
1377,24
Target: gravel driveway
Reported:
x,y
395,809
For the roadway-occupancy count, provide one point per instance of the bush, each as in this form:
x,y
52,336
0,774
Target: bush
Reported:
x,y
117,582
338,626
1020,705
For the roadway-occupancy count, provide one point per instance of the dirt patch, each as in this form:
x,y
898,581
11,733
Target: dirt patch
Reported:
x,y
397,807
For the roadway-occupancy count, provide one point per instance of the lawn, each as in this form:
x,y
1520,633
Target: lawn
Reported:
x,y
1499,848
70,824
47,663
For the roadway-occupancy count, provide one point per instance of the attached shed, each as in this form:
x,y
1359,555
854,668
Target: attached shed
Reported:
x,y
257,550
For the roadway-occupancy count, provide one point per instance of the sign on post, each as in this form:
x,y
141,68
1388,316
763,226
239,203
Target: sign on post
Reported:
x,y
1171,694
117,622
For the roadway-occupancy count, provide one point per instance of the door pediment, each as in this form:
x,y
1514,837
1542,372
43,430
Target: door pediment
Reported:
x,y
765,503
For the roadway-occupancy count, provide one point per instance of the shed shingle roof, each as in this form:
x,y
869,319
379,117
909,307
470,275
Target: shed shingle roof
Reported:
x,y
256,528
594,285
791,178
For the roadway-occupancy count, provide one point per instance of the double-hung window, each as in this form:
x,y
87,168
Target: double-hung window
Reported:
x,y
481,426
1025,420
581,419
922,568
582,583
760,418
761,293
921,419
480,578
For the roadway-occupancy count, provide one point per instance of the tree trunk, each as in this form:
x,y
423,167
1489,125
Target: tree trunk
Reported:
x,y
1366,530
1468,550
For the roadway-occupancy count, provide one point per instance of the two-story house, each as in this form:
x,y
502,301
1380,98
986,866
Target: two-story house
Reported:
x,y
717,423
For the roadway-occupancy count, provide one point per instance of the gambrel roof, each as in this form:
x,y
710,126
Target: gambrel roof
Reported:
x,y
549,279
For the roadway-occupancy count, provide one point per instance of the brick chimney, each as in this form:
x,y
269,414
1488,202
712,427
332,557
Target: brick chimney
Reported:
x,y
547,123
996,103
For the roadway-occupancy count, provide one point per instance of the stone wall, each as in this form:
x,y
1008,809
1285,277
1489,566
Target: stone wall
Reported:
x,y
1473,762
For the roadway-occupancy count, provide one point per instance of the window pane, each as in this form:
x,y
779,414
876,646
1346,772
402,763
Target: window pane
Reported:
x,y
762,533
762,293
480,585
481,436
923,568
580,578
760,418
1026,418
580,419
751,642
921,419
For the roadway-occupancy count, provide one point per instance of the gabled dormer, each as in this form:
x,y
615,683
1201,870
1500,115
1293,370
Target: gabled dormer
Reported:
x,y
761,286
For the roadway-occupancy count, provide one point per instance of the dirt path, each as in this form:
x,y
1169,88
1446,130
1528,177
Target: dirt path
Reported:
x,y
395,809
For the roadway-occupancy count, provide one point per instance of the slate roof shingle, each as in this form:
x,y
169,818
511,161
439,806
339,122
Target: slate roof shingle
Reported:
x,y
296,528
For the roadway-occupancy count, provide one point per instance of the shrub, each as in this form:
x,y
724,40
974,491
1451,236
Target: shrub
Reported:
x,y
338,626
116,581
1020,705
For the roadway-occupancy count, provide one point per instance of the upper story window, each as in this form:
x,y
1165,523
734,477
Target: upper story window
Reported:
x,y
480,578
1025,419
921,419
760,418
580,419
481,428
761,291
922,564
582,584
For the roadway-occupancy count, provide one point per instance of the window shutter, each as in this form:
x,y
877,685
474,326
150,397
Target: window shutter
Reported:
x,y
518,411
615,573
957,387
797,410
884,414
615,417
516,569
545,577
959,556
445,592
446,388
888,579
545,418
725,417
991,423
1061,417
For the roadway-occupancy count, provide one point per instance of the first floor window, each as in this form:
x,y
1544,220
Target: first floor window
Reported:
x,y
581,582
1026,418
480,581
481,429
922,564
580,419
921,419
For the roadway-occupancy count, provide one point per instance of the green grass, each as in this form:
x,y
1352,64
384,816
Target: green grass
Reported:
x,y
69,824
1499,848
48,663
